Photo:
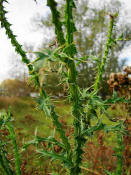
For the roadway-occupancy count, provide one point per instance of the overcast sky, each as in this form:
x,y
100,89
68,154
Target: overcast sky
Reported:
x,y
20,15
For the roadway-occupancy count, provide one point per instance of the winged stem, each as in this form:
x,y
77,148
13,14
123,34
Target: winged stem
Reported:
x,y
101,67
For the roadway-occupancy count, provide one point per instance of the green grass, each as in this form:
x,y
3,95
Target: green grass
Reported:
x,y
27,117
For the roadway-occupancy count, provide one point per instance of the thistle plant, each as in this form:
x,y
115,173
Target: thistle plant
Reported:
x,y
84,102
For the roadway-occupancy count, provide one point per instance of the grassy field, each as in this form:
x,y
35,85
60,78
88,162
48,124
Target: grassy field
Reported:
x,y
26,113
28,118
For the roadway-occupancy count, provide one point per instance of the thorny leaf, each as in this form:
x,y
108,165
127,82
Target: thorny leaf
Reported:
x,y
45,105
99,126
38,140
54,156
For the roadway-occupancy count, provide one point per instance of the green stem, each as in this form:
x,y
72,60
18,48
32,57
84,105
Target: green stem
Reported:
x,y
77,113
101,68
5,24
74,89
60,36
56,21
58,125
16,154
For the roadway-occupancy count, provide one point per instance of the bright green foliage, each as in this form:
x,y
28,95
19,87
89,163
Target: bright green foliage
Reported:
x,y
85,103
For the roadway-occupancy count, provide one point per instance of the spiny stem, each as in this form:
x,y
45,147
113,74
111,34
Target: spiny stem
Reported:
x,y
71,50
56,21
17,158
56,123
5,24
74,89
70,28
60,36
101,68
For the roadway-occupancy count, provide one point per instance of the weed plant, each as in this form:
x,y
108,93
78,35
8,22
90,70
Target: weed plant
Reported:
x,y
85,102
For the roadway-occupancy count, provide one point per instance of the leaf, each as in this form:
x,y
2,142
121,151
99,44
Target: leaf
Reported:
x,y
43,58
4,118
84,93
95,59
45,105
41,55
51,140
32,142
82,59
53,155
121,37
98,126
38,140
118,128
115,99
